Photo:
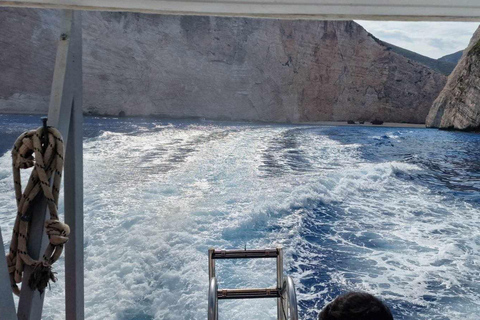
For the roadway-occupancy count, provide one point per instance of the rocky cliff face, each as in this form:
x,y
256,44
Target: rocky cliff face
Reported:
x,y
219,68
458,105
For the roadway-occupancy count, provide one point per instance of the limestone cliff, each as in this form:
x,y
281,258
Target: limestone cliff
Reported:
x,y
217,67
458,105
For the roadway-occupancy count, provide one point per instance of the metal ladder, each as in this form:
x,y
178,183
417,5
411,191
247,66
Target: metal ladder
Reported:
x,y
284,291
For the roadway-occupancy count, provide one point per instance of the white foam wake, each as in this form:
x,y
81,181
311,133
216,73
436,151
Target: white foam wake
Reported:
x,y
157,199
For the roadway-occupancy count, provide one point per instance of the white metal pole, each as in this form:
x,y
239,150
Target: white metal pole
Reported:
x,y
7,306
66,93
73,184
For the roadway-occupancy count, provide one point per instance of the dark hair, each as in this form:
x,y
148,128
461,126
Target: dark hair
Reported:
x,y
356,306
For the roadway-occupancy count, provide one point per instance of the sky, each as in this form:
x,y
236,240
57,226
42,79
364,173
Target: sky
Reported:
x,y
431,39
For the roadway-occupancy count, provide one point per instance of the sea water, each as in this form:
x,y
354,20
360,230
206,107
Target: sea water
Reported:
x,y
391,211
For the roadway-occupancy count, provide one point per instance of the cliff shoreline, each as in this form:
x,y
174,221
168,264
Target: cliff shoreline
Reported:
x,y
313,123
217,68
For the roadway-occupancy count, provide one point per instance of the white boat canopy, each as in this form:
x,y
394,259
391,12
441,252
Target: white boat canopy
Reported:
x,y
465,10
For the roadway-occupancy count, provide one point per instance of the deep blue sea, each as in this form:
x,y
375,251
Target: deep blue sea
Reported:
x,y
391,211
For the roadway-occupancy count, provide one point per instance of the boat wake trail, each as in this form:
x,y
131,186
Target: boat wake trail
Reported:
x,y
375,209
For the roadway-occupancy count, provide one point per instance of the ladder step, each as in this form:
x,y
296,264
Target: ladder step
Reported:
x,y
242,254
248,293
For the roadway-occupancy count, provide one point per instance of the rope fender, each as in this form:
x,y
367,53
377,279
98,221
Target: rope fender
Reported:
x,y
47,163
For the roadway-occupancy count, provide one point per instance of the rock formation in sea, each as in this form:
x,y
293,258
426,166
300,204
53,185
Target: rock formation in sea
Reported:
x,y
217,68
458,105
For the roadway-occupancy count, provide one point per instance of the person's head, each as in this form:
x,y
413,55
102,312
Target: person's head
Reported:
x,y
356,306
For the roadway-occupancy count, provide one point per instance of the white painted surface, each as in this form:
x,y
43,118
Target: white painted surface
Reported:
x,y
7,307
338,9
73,180
66,90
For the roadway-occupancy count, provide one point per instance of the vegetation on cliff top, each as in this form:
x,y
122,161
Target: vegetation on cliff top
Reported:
x,y
443,66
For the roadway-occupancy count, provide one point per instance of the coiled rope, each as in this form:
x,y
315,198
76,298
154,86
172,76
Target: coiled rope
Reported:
x,y
47,160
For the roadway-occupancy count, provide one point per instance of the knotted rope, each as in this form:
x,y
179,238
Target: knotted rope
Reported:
x,y
47,161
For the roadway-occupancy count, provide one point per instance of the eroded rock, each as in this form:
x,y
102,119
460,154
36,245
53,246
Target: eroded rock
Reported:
x,y
458,105
217,68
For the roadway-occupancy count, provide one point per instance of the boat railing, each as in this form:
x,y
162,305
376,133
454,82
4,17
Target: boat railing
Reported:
x,y
289,300
284,292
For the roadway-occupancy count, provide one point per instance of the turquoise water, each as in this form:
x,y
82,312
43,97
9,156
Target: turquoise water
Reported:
x,y
392,211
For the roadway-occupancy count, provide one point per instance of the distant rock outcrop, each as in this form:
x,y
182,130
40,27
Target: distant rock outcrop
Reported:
x,y
443,66
458,105
217,68
452,58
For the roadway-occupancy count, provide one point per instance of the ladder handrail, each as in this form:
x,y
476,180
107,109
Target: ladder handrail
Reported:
x,y
289,299
213,300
